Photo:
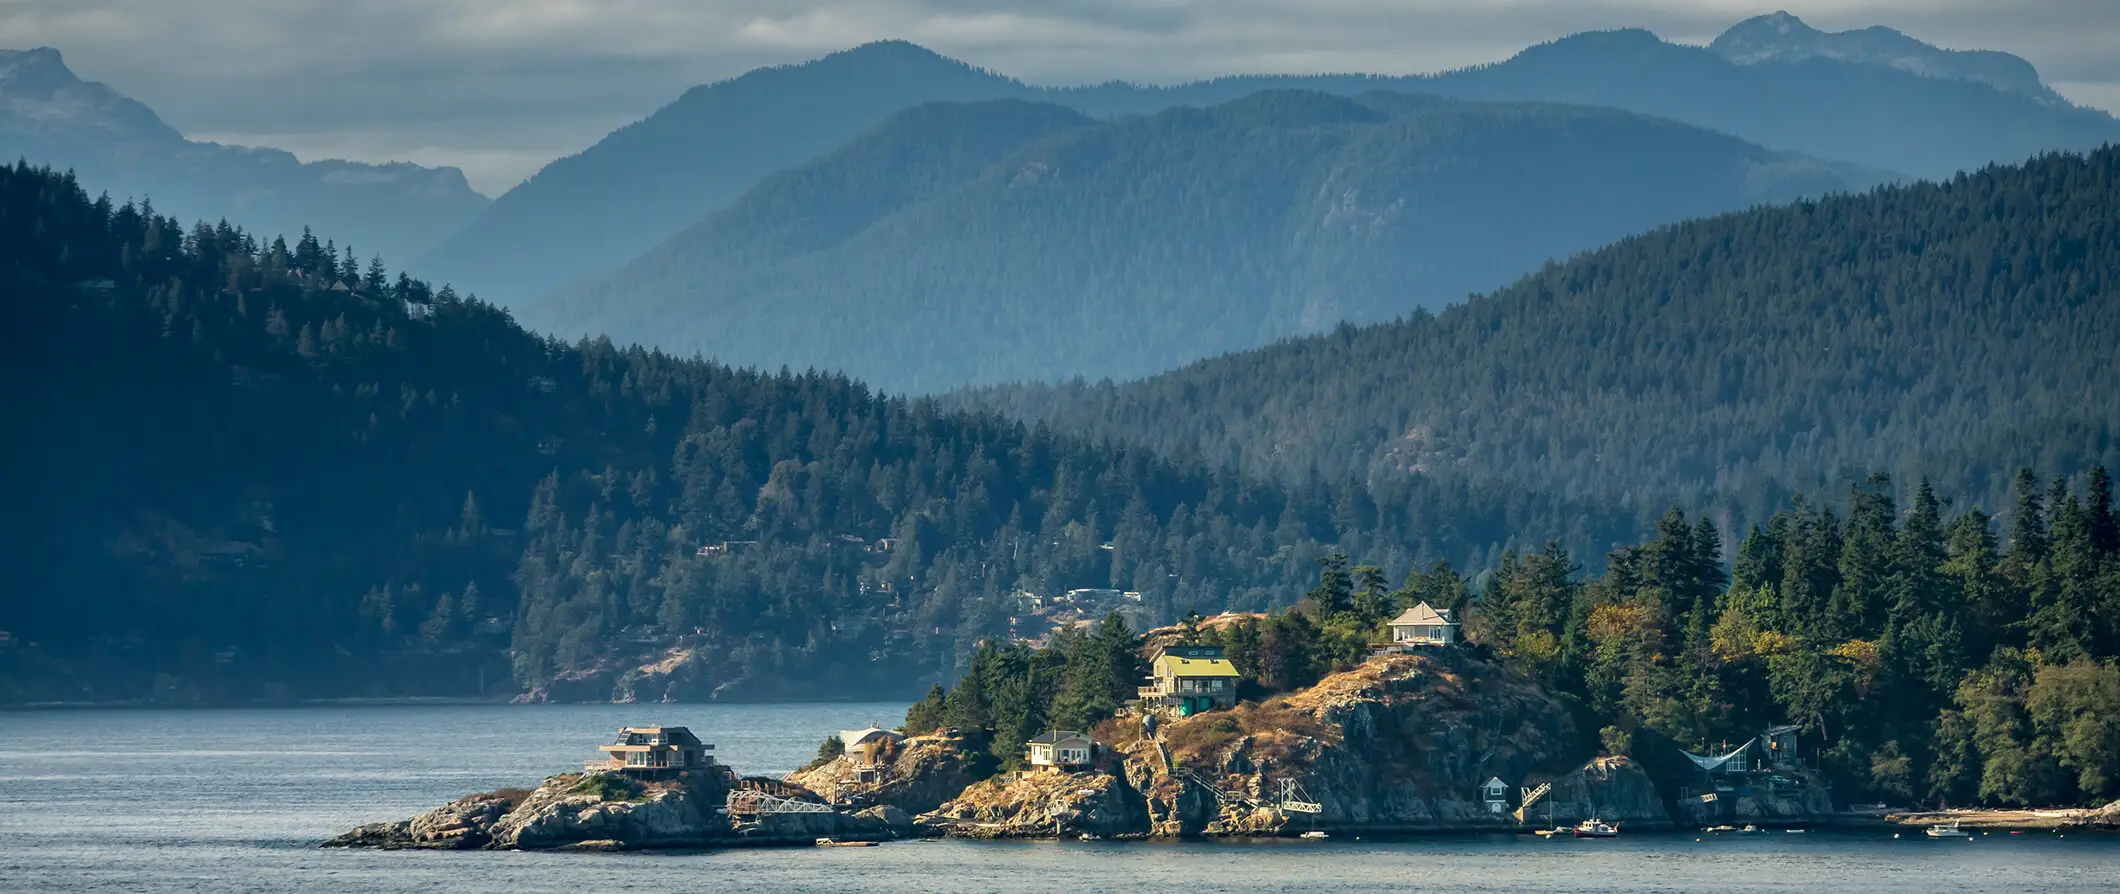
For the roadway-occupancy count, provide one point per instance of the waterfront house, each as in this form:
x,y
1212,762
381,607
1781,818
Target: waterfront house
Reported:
x,y
1063,751
1423,625
1191,678
1495,793
869,749
653,752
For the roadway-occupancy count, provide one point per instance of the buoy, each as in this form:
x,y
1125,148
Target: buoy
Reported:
x,y
1895,835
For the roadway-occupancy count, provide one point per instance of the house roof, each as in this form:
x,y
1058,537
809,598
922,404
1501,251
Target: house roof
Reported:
x,y
664,735
1057,737
855,737
1422,615
1177,666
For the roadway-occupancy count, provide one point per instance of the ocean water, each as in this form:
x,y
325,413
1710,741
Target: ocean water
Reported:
x,y
237,800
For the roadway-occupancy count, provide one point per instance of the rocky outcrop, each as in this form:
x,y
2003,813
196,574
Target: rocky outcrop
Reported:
x,y
1792,797
1044,804
560,814
916,776
1613,789
611,811
1401,743
461,824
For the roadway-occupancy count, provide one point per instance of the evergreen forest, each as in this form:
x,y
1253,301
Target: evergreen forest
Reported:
x,y
251,468
1927,653
1959,330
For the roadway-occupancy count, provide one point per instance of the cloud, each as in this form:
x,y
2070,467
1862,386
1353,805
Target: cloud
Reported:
x,y
499,86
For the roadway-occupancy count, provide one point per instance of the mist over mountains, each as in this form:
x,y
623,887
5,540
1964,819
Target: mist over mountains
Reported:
x,y
987,242
48,115
628,193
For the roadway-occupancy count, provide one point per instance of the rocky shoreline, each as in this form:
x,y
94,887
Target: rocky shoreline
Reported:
x,y
1402,745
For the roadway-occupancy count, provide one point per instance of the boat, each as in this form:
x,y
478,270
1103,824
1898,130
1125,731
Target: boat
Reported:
x,y
1090,836
1595,828
834,842
1796,831
1314,835
1945,830
1749,829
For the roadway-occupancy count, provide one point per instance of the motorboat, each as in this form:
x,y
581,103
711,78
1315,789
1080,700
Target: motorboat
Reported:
x,y
1595,828
1945,830
1314,835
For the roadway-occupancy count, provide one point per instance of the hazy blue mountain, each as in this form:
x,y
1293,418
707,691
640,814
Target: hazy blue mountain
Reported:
x,y
591,211
1782,37
985,242
50,116
1877,107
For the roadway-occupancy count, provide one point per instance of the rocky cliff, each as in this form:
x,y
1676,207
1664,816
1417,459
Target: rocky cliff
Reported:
x,y
917,776
1400,744
1044,804
612,811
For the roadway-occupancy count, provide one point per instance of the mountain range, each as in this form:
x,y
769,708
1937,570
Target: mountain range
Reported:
x,y
49,115
1958,330
1899,106
1037,243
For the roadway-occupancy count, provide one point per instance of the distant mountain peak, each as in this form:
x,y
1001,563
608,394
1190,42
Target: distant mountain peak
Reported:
x,y
1782,37
38,91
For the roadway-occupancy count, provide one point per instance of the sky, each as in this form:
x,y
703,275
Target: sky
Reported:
x,y
500,87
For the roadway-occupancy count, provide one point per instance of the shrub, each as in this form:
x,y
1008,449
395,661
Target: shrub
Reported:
x,y
608,786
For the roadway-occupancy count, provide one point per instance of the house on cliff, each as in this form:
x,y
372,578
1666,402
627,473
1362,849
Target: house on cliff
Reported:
x,y
1061,751
869,750
1422,626
1191,678
653,752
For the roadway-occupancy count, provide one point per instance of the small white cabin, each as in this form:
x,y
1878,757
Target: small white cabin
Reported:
x,y
1061,750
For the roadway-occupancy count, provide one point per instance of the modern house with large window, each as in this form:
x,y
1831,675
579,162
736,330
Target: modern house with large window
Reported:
x,y
653,752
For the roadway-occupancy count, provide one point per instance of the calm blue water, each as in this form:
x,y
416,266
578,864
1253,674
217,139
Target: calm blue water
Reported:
x,y
140,800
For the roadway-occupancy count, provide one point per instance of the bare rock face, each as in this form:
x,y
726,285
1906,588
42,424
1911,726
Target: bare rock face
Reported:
x,y
924,772
611,811
1044,804
461,824
569,810
1613,789
1794,797
1401,743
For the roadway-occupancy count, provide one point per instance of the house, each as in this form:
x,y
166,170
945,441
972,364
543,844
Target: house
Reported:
x,y
1423,625
1191,678
869,749
653,751
1062,751
1777,746
1495,793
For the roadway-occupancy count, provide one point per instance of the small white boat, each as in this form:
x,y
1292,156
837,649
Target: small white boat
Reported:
x,y
1595,828
834,842
1314,836
1945,830
1090,836
1749,829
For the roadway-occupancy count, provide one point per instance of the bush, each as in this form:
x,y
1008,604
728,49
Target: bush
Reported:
x,y
608,787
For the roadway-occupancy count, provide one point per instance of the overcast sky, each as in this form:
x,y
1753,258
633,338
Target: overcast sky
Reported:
x,y
499,87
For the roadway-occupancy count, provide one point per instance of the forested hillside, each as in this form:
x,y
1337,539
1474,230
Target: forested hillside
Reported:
x,y
1923,654
242,469
1038,245
49,116
645,182
1963,329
